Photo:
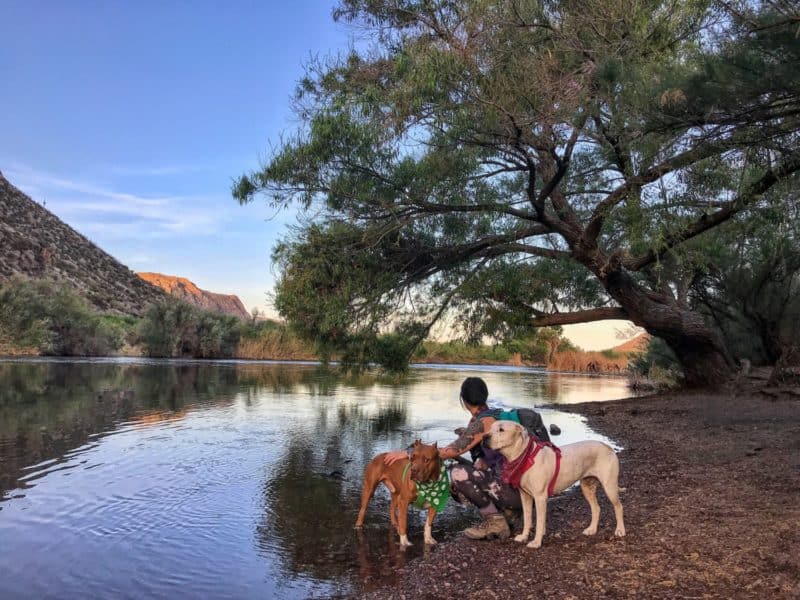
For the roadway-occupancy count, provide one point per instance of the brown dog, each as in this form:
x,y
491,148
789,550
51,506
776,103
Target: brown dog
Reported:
x,y
400,479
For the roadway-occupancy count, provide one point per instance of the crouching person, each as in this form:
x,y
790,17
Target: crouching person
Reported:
x,y
480,483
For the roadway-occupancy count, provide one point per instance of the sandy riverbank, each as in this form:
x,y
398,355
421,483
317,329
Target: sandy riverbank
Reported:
x,y
712,508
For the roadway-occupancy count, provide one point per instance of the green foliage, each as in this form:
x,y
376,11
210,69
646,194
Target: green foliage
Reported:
x,y
54,320
658,355
611,354
565,345
176,329
125,327
752,291
657,369
455,352
498,163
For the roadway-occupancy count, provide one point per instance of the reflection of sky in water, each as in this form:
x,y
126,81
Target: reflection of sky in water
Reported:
x,y
435,411
213,479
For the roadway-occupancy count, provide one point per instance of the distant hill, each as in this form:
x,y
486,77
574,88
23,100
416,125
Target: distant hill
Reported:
x,y
637,344
36,243
187,291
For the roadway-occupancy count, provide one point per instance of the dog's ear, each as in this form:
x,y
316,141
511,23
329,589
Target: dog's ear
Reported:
x,y
436,445
417,442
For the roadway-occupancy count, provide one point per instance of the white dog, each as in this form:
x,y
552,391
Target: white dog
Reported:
x,y
586,462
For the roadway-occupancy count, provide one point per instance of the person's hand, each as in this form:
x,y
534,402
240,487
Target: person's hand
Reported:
x,y
392,457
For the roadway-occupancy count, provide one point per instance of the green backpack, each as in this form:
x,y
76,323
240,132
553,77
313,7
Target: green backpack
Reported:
x,y
527,417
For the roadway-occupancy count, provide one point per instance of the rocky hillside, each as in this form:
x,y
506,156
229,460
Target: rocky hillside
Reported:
x,y
187,291
36,243
635,345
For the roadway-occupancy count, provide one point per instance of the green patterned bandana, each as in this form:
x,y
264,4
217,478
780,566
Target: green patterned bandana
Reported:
x,y
434,493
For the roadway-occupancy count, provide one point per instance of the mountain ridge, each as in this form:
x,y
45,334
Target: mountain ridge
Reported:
x,y
186,290
35,243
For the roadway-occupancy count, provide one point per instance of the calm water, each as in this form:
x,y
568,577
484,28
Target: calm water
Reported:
x,y
153,479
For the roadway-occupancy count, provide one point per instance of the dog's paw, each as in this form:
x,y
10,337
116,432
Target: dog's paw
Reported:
x,y
590,531
404,542
620,532
430,541
535,544
520,538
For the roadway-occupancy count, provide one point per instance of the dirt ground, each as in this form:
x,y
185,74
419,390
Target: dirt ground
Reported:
x,y
712,510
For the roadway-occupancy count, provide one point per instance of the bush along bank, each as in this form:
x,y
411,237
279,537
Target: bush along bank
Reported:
x,y
44,317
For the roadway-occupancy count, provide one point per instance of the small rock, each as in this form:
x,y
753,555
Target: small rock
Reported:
x,y
555,429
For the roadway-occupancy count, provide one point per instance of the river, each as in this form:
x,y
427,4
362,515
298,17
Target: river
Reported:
x,y
131,478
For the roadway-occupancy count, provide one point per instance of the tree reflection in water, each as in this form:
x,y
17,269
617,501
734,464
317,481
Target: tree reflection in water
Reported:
x,y
311,499
319,431
50,407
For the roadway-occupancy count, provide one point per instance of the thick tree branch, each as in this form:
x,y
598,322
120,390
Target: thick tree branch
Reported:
x,y
706,222
581,316
424,262
513,248
434,208
701,151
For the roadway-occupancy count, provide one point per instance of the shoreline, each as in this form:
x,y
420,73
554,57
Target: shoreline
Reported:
x,y
711,507
291,361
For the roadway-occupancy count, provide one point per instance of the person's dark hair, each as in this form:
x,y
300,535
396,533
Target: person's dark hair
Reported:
x,y
474,391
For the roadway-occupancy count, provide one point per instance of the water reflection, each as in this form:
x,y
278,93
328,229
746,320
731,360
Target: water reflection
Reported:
x,y
140,478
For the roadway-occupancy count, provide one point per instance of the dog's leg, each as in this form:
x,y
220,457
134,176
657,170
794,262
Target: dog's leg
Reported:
x,y
541,519
371,482
589,489
428,523
393,509
611,488
527,510
402,517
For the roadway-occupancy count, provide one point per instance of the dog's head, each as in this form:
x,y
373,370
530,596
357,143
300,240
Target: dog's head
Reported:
x,y
425,462
506,435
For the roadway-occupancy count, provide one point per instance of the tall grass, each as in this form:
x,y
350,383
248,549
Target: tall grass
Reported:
x,y
270,340
587,362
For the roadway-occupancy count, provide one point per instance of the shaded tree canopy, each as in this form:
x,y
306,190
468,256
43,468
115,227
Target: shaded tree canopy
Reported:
x,y
531,162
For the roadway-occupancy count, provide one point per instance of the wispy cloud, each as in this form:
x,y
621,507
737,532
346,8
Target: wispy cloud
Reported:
x,y
100,210
155,171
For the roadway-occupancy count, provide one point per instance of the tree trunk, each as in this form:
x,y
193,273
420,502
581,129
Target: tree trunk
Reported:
x,y
698,347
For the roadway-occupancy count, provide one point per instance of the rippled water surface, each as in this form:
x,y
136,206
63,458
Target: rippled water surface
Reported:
x,y
156,479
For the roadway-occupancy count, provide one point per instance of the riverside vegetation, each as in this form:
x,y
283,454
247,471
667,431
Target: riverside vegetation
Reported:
x,y
50,318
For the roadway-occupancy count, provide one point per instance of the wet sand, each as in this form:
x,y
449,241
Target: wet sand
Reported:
x,y
712,510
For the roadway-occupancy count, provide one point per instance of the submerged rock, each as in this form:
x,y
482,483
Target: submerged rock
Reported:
x,y
555,429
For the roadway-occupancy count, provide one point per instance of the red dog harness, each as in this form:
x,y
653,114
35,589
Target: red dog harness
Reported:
x,y
513,470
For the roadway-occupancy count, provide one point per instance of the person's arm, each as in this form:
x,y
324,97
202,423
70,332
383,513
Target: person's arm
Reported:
x,y
471,436
392,457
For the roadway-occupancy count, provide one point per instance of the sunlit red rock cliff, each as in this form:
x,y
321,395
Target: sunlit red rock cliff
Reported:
x,y
185,290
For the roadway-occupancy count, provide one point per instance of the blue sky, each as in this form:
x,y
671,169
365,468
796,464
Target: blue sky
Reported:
x,y
129,119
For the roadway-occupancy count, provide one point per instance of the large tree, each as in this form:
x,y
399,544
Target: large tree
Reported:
x,y
527,160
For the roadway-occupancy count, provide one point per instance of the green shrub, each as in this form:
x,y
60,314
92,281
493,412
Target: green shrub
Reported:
x,y
656,369
173,328
564,345
611,354
658,354
54,319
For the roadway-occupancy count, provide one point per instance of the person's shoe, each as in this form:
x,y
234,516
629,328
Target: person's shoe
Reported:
x,y
493,526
